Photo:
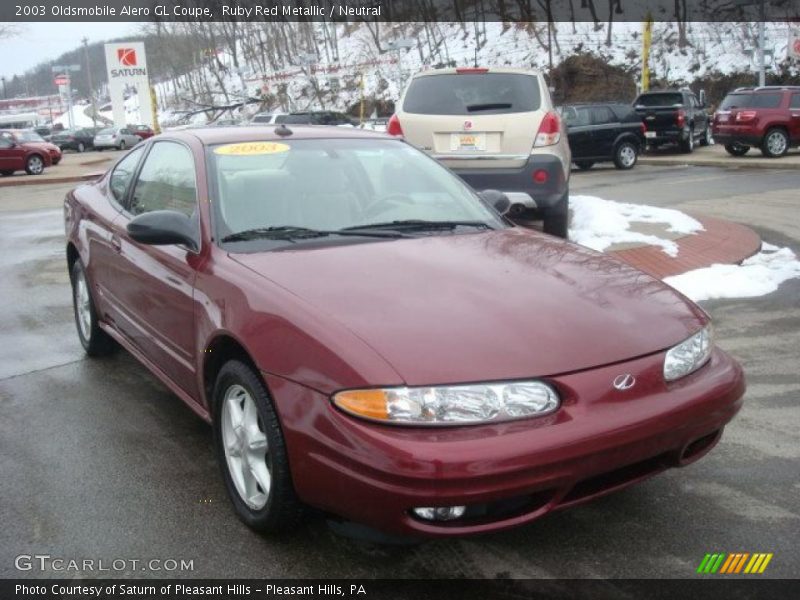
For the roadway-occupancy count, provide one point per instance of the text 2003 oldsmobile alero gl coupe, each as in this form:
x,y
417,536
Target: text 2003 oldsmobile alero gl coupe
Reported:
x,y
371,338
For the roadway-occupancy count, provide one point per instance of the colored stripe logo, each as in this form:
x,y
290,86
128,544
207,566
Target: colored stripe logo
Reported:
x,y
735,563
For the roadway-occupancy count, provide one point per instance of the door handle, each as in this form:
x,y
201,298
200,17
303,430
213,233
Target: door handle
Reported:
x,y
116,243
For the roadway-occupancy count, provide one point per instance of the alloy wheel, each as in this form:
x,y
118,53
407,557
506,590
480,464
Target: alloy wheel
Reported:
x,y
776,143
627,155
83,308
245,445
36,165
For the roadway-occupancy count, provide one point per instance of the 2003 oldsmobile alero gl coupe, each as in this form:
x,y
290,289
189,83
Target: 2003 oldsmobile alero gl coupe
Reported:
x,y
370,337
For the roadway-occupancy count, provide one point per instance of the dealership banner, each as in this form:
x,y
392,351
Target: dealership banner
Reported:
x,y
398,10
126,66
416,589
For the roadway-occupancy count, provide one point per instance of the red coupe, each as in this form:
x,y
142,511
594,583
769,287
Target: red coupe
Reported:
x,y
370,337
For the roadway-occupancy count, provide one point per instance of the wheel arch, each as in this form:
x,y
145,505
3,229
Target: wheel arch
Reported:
x,y
221,348
628,137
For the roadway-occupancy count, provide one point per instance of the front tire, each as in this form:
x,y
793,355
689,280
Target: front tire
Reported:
x,y
34,165
81,147
94,340
737,149
252,452
6,173
556,218
626,155
775,144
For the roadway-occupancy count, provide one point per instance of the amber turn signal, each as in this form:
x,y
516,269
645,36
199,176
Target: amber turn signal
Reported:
x,y
363,403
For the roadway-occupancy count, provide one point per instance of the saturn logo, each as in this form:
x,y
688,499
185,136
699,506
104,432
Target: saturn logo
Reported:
x,y
467,125
624,382
126,57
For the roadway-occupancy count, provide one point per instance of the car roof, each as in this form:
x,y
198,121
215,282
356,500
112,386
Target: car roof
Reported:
x,y
478,70
258,133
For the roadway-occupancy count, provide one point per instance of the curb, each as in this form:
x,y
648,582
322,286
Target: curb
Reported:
x,y
735,163
32,180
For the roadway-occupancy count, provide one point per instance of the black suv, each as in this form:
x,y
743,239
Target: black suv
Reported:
x,y
604,132
674,117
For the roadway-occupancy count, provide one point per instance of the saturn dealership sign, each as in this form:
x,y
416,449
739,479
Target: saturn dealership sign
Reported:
x,y
126,65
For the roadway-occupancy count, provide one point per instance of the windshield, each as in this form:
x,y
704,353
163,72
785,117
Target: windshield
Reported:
x,y
334,184
659,100
760,100
29,136
472,93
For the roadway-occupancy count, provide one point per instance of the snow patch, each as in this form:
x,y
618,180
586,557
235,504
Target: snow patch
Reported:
x,y
758,275
598,223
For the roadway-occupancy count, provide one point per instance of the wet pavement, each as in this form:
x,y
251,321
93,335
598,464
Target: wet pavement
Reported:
x,y
99,461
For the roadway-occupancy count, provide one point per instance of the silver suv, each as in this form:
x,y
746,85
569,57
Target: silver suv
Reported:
x,y
497,129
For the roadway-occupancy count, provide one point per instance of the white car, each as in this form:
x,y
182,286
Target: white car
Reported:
x,y
267,118
115,137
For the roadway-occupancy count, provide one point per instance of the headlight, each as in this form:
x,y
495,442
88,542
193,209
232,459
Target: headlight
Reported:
x,y
451,405
689,355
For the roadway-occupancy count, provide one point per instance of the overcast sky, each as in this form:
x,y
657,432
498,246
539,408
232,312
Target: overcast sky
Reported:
x,y
40,42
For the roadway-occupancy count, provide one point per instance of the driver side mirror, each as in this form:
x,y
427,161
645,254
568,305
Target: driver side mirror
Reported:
x,y
163,227
496,199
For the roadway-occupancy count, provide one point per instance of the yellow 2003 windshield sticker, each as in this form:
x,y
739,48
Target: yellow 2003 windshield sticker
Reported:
x,y
252,148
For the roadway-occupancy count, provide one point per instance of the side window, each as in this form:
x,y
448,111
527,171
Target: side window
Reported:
x,y
166,181
602,115
123,173
5,142
125,131
795,101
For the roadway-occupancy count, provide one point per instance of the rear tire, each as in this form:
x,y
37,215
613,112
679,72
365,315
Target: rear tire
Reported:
x,y
94,340
687,145
737,149
556,218
775,143
81,147
626,155
584,165
705,140
252,452
122,145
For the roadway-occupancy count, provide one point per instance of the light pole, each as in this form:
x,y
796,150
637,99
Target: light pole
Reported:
x,y
89,78
4,87
396,46
762,16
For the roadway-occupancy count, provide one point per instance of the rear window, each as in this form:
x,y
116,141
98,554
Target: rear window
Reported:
x,y
659,99
751,100
105,132
293,119
472,94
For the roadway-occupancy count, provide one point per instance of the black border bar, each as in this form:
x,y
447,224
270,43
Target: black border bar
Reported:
x,y
399,10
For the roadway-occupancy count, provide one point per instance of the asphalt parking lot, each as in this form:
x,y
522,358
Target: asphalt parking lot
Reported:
x,y
99,460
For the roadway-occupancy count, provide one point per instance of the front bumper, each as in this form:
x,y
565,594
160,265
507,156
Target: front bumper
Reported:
x,y
599,440
520,179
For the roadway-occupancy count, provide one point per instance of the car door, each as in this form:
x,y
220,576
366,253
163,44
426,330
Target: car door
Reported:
x,y
9,161
579,131
794,117
156,289
605,131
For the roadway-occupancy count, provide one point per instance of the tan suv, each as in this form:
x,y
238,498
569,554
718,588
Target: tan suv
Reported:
x,y
495,128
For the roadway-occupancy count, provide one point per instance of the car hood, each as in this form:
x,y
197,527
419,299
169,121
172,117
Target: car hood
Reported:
x,y
486,306
43,146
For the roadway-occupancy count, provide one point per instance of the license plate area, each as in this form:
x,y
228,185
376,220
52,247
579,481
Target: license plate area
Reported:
x,y
650,134
468,142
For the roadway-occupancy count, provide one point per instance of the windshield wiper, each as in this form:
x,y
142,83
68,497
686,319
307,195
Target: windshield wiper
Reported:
x,y
292,232
420,225
487,106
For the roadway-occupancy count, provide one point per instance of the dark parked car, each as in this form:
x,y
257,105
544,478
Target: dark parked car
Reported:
x,y
767,118
19,155
674,117
45,132
370,337
79,140
604,132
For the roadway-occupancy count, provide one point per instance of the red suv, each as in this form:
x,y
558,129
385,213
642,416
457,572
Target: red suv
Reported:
x,y
766,117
